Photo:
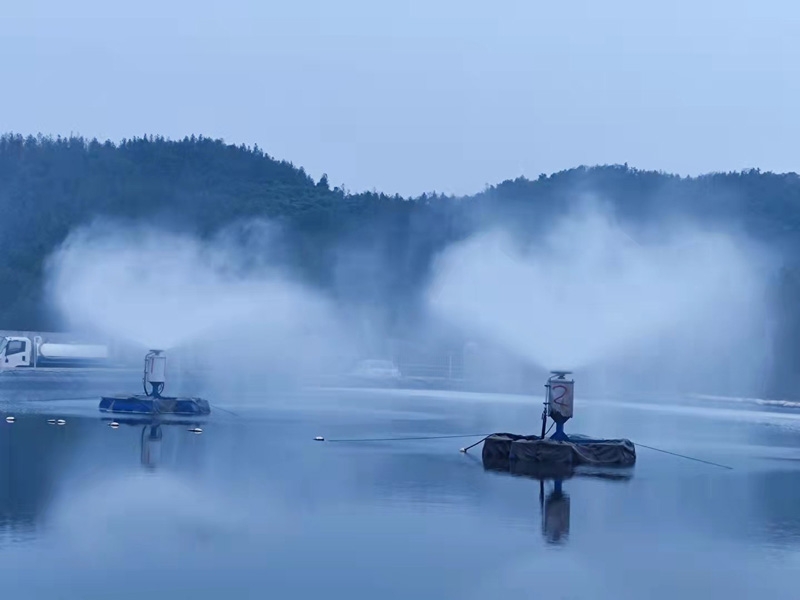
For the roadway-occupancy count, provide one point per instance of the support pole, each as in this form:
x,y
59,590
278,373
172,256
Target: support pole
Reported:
x,y
559,434
544,410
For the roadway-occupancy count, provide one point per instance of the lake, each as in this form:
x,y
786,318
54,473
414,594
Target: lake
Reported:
x,y
253,507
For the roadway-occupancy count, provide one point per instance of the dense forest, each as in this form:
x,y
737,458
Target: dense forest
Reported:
x,y
48,186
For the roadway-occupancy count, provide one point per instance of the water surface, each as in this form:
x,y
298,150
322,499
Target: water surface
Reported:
x,y
254,508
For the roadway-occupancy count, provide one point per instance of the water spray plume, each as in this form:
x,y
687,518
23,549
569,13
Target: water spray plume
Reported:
x,y
589,291
164,290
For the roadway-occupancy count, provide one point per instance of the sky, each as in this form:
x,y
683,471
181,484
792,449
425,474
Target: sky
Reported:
x,y
419,95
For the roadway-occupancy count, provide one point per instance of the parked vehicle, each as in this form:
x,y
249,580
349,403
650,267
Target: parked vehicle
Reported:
x,y
376,369
24,352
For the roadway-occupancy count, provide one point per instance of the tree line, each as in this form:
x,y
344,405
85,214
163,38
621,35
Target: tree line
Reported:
x,y
51,185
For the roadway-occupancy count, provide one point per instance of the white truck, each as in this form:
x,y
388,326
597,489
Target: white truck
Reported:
x,y
24,352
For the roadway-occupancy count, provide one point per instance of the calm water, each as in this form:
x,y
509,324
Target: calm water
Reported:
x,y
254,508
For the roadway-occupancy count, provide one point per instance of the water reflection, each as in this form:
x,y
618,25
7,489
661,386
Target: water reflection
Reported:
x,y
151,445
555,506
252,503
152,434
32,456
555,513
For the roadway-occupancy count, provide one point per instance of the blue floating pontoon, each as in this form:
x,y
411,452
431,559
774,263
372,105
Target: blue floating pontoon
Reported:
x,y
152,402
148,405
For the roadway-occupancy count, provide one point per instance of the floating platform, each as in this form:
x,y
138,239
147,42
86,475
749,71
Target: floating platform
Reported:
x,y
148,405
530,454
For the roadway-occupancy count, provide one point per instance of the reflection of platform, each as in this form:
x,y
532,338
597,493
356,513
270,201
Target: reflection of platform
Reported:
x,y
147,405
555,514
152,432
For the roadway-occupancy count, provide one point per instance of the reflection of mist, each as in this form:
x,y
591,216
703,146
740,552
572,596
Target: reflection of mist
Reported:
x,y
258,491
32,454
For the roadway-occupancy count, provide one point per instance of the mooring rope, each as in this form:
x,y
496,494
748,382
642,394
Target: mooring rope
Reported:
x,y
397,439
708,462
62,399
473,445
225,410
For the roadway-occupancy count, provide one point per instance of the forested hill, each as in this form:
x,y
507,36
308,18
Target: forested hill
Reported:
x,y
48,186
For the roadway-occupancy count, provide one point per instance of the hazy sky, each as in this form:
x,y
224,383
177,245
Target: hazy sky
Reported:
x,y
419,95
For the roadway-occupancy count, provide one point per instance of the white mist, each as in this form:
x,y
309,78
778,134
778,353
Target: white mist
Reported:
x,y
668,301
219,304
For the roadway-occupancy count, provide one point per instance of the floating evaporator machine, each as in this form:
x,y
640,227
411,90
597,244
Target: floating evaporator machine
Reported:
x,y
152,401
529,454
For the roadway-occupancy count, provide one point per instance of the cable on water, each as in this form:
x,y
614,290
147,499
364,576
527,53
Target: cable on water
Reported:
x,y
396,439
708,462
61,399
225,410
483,437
